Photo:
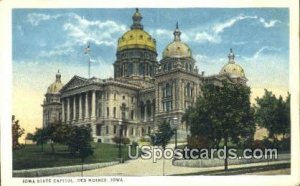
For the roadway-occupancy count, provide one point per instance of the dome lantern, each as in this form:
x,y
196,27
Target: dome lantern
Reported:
x,y
136,18
231,56
177,33
58,77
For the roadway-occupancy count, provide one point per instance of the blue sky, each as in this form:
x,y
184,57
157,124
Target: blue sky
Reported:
x,y
45,40
50,36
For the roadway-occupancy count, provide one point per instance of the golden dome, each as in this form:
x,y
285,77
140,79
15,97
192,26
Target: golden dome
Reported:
x,y
136,37
55,87
231,68
177,48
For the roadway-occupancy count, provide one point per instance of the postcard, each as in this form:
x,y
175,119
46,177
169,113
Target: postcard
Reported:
x,y
138,93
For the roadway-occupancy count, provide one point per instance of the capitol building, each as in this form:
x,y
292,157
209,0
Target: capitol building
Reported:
x,y
143,92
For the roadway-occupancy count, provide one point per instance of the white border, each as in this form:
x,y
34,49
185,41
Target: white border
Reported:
x,y
6,7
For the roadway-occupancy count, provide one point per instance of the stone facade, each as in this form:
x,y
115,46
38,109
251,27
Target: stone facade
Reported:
x,y
143,92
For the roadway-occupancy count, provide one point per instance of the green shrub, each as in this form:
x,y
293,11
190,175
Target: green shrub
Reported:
x,y
199,142
143,139
123,140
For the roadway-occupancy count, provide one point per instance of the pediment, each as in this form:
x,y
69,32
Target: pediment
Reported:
x,y
75,82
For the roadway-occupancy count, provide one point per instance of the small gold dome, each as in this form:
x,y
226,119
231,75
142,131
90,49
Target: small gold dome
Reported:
x,y
136,37
231,68
177,49
55,87
234,70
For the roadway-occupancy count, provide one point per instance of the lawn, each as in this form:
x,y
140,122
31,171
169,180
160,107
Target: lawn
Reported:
x,y
32,156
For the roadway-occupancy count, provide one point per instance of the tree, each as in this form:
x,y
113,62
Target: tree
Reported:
x,y
57,133
17,132
273,114
222,113
80,142
53,133
40,136
29,136
162,137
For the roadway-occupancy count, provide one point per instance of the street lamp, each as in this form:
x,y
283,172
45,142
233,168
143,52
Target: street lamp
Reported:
x,y
174,126
120,136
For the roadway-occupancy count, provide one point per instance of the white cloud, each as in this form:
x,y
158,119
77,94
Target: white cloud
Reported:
x,y
260,52
59,50
204,36
79,31
239,43
269,24
36,18
220,27
161,33
212,33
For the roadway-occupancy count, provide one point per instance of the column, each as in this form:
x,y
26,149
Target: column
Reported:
x,y
93,115
68,109
152,110
173,96
86,106
145,112
80,107
157,99
74,107
177,91
182,94
63,110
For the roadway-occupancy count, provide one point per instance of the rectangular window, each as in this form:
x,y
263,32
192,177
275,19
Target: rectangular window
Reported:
x,y
131,131
168,106
132,114
132,99
123,97
125,131
107,111
115,129
114,112
107,129
98,130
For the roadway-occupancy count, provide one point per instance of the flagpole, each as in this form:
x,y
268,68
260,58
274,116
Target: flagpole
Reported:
x,y
89,65
87,51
